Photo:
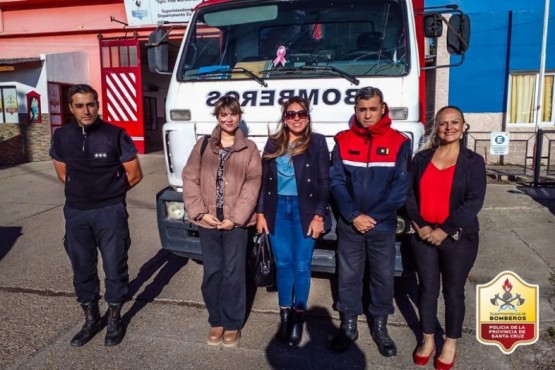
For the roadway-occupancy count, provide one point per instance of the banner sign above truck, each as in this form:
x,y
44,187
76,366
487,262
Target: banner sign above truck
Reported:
x,y
150,12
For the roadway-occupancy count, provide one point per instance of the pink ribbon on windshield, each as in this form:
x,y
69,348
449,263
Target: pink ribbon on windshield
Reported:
x,y
280,56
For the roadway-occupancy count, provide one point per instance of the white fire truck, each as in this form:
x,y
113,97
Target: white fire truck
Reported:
x,y
265,51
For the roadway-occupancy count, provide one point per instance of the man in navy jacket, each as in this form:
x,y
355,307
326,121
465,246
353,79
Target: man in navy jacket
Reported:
x,y
97,163
368,181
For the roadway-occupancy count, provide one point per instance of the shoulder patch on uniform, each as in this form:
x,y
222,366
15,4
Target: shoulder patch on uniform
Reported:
x,y
340,133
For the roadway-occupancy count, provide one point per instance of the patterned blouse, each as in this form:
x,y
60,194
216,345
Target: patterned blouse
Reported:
x,y
220,182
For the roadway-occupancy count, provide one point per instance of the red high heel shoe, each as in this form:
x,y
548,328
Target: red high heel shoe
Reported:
x,y
440,365
422,360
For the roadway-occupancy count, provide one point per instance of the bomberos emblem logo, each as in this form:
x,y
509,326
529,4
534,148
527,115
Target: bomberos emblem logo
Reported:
x,y
507,312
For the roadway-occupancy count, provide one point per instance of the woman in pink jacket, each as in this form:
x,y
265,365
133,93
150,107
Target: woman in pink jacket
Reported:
x,y
220,190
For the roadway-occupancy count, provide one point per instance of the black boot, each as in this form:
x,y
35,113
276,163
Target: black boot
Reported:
x,y
386,346
114,331
91,326
284,331
297,318
348,333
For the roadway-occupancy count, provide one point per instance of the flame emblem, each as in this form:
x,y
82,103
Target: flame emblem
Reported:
x,y
507,298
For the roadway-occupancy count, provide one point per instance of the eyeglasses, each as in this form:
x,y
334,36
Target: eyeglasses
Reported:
x,y
290,114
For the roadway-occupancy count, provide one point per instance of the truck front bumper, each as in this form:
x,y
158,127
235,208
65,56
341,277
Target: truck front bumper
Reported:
x,y
181,238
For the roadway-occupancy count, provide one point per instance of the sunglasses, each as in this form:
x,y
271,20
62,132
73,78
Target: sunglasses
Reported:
x,y
290,114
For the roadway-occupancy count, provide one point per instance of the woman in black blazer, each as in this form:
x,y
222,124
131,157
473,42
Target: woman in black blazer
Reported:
x,y
447,191
293,209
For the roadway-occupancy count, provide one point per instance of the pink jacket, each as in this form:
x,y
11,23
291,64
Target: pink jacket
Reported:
x,y
242,174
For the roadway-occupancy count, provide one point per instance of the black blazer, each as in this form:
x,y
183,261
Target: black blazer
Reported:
x,y
312,178
467,193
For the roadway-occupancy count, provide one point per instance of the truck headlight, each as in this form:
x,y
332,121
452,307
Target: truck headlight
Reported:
x,y
398,114
180,114
175,210
400,225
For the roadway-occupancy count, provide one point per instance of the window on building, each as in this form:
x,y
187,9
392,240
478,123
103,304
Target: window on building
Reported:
x,y
119,56
8,105
149,113
522,98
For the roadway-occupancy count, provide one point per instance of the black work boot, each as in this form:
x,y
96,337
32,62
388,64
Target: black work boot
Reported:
x,y
297,322
114,331
91,326
348,333
284,331
378,329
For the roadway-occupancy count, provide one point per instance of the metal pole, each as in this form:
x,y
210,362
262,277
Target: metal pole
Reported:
x,y
539,91
538,156
539,98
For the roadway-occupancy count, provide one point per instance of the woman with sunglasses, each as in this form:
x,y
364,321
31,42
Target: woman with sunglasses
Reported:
x,y
293,209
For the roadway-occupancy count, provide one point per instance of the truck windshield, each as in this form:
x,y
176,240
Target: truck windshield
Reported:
x,y
279,40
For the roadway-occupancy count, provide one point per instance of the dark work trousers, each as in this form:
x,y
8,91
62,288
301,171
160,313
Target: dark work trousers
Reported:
x,y
354,250
224,283
104,228
453,261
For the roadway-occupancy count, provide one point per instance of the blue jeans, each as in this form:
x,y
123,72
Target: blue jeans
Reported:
x,y
293,253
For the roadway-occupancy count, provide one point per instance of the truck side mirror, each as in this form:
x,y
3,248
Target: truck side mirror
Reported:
x,y
158,51
458,34
433,27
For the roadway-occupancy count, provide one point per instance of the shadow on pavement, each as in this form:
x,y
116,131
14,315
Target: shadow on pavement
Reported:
x,y
543,195
167,264
315,354
8,237
406,298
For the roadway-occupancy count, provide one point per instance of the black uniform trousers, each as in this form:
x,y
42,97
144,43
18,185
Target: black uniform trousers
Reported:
x,y
354,250
450,264
224,289
104,228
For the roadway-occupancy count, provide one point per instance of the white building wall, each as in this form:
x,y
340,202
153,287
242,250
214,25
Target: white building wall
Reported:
x,y
69,68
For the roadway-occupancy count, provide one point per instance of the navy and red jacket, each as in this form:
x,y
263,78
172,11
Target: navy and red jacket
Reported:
x,y
370,172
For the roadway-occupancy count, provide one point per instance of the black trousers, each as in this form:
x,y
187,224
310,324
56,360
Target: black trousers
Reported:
x,y
450,264
224,282
106,229
354,250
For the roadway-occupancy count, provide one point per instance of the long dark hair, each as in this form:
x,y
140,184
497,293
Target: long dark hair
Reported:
x,y
282,135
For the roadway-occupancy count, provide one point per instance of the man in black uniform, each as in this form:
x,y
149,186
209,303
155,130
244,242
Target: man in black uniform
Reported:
x,y
98,164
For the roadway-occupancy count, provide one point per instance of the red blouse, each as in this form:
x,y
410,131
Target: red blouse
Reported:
x,y
435,192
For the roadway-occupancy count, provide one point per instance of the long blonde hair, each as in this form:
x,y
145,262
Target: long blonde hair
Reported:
x,y
434,140
282,134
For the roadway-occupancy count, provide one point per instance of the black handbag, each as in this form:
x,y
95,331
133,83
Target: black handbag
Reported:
x,y
263,261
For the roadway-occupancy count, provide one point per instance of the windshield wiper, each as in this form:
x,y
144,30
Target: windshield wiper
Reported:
x,y
235,70
349,77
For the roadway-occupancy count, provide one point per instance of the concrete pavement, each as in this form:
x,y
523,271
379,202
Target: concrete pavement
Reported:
x,y
167,320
